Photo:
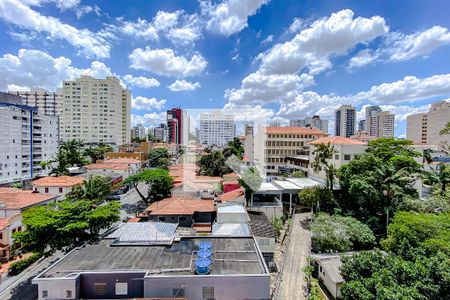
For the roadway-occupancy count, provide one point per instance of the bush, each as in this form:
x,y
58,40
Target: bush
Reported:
x,y
18,266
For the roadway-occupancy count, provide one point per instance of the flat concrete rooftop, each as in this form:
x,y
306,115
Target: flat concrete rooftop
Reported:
x,y
231,256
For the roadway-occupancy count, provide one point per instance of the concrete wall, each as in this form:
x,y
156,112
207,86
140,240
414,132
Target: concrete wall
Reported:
x,y
57,288
225,287
186,222
54,190
333,288
133,280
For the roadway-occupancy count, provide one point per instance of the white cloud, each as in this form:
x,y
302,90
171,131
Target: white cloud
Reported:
x,y
296,25
405,47
34,68
141,81
312,47
165,20
183,85
143,103
17,13
230,16
247,113
267,40
261,88
139,29
362,58
165,62
148,120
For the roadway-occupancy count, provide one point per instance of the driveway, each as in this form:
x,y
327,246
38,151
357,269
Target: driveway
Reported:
x,y
292,278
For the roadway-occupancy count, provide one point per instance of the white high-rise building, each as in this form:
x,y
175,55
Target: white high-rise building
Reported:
x,y
216,128
371,111
345,121
424,128
139,131
382,124
314,121
27,139
47,103
160,132
96,111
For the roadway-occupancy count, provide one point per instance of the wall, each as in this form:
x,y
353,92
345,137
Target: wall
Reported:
x,y
332,287
57,288
135,285
225,287
187,222
53,190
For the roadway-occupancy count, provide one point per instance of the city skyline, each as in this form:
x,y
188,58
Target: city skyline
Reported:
x,y
190,55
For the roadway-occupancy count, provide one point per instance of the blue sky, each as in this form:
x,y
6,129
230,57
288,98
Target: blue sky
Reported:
x,y
282,59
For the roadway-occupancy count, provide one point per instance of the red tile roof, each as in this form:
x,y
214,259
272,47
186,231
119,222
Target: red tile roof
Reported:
x,y
4,222
124,160
58,181
294,130
18,199
180,206
336,140
232,195
107,166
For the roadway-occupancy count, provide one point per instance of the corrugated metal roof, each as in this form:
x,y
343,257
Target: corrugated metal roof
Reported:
x,y
231,229
147,232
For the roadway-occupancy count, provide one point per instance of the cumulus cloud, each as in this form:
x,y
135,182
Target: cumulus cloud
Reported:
x,y
267,40
248,113
183,85
165,62
149,119
19,14
363,58
230,16
296,25
141,81
139,29
34,68
143,103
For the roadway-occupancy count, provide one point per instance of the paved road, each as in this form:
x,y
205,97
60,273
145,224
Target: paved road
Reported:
x,y
299,249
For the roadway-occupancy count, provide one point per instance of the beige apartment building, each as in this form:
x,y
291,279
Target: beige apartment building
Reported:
x,y
273,144
95,111
382,124
424,128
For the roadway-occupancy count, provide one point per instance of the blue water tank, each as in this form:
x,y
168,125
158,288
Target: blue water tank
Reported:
x,y
205,245
202,265
204,253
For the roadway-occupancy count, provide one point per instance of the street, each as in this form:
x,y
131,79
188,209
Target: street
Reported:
x,y
292,279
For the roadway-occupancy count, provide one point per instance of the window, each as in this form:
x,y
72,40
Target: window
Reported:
x,y
60,189
68,294
347,156
208,293
162,219
336,156
1,235
121,288
46,190
182,219
99,288
44,294
178,292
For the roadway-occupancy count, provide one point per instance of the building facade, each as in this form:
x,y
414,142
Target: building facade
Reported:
x,y
314,121
96,111
178,126
424,128
216,128
139,131
160,132
382,124
345,121
370,112
47,103
28,138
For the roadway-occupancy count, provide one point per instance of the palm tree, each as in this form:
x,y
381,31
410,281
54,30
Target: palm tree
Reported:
x,y
97,187
440,175
323,154
234,147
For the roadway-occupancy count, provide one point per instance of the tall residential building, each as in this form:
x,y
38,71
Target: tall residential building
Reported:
x,y
297,123
160,132
248,129
96,111
424,128
370,112
314,121
345,121
362,125
382,124
178,125
216,128
274,144
27,139
139,131
47,103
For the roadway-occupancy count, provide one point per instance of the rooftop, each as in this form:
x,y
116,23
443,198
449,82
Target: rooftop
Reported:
x,y
331,264
58,181
4,222
232,195
123,160
149,233
232,256
11,198
230,229
180,206
303,182
260,225
336,140
107,166
294,130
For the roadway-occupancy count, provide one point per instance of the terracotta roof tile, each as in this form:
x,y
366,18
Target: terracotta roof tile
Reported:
x,y
18,199
107,166
336,140
4,222
180,206
58,181
294,130
231,195
123,160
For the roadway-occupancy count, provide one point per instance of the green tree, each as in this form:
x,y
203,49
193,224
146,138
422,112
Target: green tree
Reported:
x,y
323,153
374,185
439,175
317,196
70,154
251,181
298,174
65,224
158,181
234,147
159,158
97,188
337,233
213,164
98,152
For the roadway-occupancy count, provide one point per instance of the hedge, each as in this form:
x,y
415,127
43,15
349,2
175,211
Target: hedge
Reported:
x,y
18,266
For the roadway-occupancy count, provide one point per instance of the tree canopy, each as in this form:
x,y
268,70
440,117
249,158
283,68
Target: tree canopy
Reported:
x,y
158,183
97,152
316,196
96,188
159,158
213,164
70,154
234,147
250,180
323,153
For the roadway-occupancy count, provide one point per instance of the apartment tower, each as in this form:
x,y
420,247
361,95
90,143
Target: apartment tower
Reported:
x,y
345,121
216,128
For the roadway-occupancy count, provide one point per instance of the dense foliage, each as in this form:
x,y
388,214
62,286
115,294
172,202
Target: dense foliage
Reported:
x,y
70,154
317,197
158,183
323,153
159,158
96,188
234,147
377,183
65,224
97,152
337,233
213,164
250,180
18,266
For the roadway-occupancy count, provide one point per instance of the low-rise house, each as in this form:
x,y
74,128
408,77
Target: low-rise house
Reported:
x,y
328,266
265,235
186,212
267,199
155,265
233,197
94,169
56,185
8,226
137,151
205,187
232,214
